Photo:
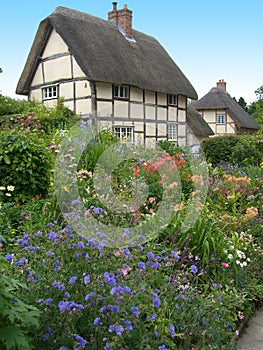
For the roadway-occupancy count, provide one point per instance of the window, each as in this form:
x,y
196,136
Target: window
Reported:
x,y
49,92
172,132
172,100
124,133
121,91
221,119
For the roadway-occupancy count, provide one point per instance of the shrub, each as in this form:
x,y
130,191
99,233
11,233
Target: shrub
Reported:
x,y
16,317
24,163
219,149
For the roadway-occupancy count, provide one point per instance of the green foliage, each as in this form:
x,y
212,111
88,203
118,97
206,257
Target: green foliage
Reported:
x,y
16,317
24,163
236,150
218,149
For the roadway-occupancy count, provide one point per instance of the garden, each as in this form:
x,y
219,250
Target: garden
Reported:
x,y
124,252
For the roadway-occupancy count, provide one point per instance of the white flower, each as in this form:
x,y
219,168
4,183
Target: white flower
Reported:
x,y
238,262
10,188
2,188
8,194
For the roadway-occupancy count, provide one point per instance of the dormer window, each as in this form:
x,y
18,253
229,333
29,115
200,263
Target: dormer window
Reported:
x,y
49,92
172,100
121,91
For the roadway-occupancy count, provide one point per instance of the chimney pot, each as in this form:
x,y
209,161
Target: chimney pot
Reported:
x,y
221,84
125,6
114,6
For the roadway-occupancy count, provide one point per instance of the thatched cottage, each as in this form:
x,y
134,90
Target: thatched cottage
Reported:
x,y
108,73
223,114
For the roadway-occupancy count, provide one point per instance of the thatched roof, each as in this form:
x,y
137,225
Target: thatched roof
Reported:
x,y
198,125
218,98
105,55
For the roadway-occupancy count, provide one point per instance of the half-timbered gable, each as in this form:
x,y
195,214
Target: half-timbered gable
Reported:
x,y
108,73
223,114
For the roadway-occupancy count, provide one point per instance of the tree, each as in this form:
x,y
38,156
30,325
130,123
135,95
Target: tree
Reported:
x,y
259,93
242,103
1,70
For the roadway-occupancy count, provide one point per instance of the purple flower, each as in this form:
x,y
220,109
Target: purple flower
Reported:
x,y
90,295
110,279
135,311
175,255
96,321
126,251
9,257
21,262
111,328
58,285
150,255
151,318
50,253
156,301
63,348
119,330
128,325
194,269
162,347
67,295
81,245
63,306
86,279
81,342
171,330
73,279
155,333
48,301
107,347
113,308
141,265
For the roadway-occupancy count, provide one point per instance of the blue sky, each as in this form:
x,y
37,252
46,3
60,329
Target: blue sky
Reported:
x,y
208,40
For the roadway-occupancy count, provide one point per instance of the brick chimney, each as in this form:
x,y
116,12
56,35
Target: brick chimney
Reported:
x,y
221,84
122,18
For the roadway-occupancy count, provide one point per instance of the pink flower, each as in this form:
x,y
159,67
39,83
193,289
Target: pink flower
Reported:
x,y
224,265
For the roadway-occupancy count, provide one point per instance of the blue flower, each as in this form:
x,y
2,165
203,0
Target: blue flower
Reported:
x,y
135,311
107,347
111,328
97,321
67,295
21,262
48,301
58,285
175,255
110,279
113,308
141,265
171,330
50,253
128,325
194,269
81,245
150,255
162,347
81,342
86,279
156,301
119,330
90,295
155,333
73,279
9,257
63,305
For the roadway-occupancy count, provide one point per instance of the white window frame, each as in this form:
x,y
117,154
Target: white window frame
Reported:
x,y
172,100
172,132
50,92
220,119
121,91
124,133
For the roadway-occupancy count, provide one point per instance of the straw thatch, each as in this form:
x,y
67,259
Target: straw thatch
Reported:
x,y
105,55
197,124
219,99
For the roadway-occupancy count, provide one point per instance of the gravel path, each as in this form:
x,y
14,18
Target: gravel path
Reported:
x,y
252,337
